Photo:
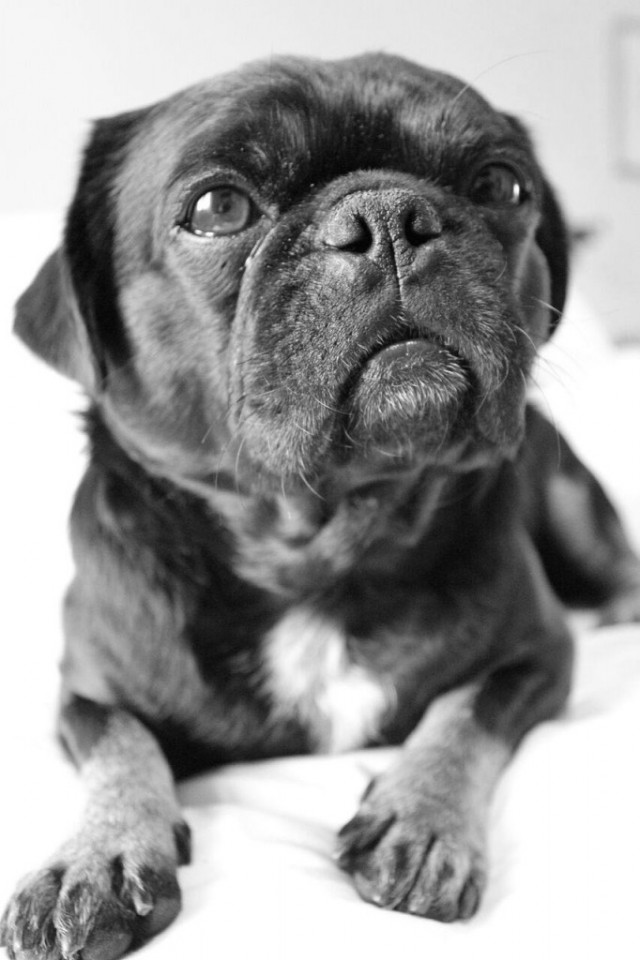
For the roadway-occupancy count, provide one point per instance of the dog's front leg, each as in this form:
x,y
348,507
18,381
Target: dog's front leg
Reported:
x,y
417,843
114,883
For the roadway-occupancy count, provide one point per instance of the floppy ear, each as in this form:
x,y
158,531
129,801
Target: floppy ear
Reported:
x,y
48,320
70,314
552,237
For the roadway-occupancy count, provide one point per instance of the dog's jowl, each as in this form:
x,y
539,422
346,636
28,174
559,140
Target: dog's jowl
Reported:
x,y
304,300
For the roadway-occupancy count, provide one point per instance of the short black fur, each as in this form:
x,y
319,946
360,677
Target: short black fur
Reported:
x,y
317,513
89,240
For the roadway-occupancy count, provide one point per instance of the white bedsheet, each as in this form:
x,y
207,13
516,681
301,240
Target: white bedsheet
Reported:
x,y
565,828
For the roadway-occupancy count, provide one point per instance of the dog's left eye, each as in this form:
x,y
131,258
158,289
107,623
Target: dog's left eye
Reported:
x,y
497,184
219,212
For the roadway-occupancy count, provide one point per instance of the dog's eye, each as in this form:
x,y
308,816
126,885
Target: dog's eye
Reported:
x,y
496,184
220,212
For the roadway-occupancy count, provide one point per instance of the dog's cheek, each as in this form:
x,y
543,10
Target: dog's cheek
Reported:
x,y
502,418
169,398
290,337
175,332
210,269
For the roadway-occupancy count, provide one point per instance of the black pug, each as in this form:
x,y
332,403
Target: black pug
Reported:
x,y
304,299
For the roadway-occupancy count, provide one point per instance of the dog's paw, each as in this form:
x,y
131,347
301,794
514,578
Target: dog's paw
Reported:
x,y
416,857
95,902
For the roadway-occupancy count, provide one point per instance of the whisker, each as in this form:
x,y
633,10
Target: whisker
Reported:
x,y
237,464
549,306
550,369
487,70
527,336
309,487
285,498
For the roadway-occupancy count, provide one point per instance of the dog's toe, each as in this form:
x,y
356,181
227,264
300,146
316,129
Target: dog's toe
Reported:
x,y
449,882
27,928
95,905
104,907
415,861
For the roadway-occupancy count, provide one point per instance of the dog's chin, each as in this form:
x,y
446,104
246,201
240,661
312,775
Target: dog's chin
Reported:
x,y
409,397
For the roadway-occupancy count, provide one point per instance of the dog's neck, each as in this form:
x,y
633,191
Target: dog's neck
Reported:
x,y
297,542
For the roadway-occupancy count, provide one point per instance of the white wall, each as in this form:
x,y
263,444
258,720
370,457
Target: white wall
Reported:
x,y
63,62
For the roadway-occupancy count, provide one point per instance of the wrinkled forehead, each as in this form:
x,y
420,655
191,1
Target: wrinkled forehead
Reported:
x,y
286,123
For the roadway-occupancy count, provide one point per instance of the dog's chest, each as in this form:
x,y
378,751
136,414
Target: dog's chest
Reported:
x,y
315,678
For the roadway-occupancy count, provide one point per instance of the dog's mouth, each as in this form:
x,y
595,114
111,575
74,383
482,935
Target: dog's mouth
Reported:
x,y
413,344
409,388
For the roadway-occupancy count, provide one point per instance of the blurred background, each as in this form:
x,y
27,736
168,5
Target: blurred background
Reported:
x,y
570,69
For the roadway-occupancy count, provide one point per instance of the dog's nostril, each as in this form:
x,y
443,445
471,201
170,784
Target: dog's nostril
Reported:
x,y
420,226
369,222
349,233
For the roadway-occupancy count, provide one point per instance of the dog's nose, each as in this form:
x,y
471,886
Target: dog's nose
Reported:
x,y
370,220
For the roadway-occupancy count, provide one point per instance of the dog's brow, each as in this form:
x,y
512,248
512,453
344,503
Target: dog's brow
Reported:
x,y
245,155
193,164
232,147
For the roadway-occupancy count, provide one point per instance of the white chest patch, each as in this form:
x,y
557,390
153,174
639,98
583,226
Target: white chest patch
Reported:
x,y
313,679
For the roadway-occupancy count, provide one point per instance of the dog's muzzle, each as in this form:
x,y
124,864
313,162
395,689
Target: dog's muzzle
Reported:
x,y
411,380
375,316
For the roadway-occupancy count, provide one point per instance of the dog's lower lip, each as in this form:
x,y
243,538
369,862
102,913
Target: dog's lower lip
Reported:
x,y
415,356
410,347
412,387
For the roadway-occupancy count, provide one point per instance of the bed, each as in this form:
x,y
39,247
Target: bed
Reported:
x,y
565,828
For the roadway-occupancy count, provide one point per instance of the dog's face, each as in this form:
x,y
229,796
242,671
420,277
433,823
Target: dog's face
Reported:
x,y
303,267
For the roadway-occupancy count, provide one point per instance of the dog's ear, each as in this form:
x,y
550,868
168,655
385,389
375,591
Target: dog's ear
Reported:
x,y
48,320
552,236
70,315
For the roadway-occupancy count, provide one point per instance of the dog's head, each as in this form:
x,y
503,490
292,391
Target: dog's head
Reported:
x,y
303,266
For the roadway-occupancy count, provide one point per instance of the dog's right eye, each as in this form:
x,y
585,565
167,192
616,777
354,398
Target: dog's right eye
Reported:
x,y
219,212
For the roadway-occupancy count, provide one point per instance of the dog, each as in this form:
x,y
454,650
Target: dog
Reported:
x,y
304,300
